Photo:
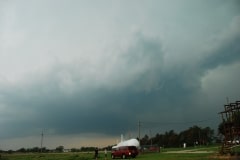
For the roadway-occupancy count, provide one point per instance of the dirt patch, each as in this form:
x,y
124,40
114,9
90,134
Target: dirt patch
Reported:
x,y
225,157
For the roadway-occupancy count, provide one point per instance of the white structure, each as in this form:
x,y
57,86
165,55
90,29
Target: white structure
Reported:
x,y
130,142
184,145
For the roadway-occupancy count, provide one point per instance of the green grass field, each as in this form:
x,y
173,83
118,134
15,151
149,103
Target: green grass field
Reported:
x,y
207,153
152,156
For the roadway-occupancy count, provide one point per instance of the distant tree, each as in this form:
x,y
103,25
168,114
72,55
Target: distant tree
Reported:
x,y
221,128
158,139
44,149
109,147
172,138
22,150
87,149
10,151
196,134
60,149
207,135
192,136
34,149
75,150
145,140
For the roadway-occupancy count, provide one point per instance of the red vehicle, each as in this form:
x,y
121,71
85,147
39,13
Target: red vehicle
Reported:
x,y
124,152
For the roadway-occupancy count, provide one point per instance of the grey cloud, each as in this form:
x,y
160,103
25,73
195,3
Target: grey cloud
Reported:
x,y
93,108
147,88
227,49
110,91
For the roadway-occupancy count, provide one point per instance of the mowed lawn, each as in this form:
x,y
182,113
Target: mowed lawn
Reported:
x,y
191,154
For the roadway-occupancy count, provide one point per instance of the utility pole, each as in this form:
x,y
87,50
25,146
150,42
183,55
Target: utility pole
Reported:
x,y
150,136
41,140
139,125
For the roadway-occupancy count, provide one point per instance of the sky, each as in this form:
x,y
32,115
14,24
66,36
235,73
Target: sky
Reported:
x,y
85,72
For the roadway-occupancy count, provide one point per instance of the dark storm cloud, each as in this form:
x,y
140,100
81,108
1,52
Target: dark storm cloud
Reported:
x,y
112,90
150,94
93,109
227,49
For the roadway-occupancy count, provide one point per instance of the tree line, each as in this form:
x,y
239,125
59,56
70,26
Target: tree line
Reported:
x,y
192,136
58,149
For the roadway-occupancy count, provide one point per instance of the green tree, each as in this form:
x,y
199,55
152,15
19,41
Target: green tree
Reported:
x,y
145,140
60,149
22,150
207,135
221,128
190,136
172,139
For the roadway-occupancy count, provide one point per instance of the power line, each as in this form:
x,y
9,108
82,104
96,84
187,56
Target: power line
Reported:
x,y
179,123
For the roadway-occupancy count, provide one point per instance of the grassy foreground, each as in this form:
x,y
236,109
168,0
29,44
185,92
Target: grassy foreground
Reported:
x,y
67,156
166,154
